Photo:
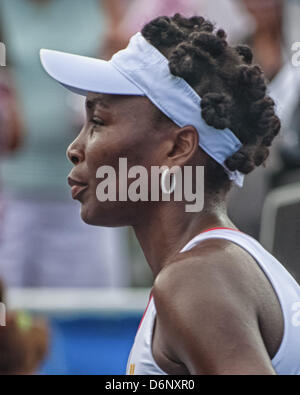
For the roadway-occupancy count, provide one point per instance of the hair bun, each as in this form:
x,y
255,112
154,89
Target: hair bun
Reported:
x,y
252,79
245,52
216,110
240,161
163,31
215,45
261,156
182,61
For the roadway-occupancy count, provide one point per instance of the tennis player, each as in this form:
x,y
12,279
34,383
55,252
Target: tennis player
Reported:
x,y
179,95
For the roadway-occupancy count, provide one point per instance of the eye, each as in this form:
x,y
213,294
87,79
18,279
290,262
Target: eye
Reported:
x,y
97,121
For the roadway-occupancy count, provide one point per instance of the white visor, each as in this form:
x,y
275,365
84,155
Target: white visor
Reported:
x,y
142,70
82,74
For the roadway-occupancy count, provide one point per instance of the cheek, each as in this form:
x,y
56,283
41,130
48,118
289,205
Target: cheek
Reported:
x,y
106,150
100,151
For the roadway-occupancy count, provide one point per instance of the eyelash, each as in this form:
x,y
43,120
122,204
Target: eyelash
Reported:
x,y
96,123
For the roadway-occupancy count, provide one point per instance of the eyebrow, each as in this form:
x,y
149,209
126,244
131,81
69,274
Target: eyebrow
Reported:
x,y
90,103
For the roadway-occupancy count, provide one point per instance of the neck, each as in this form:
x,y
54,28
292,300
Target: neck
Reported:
x,y
167,228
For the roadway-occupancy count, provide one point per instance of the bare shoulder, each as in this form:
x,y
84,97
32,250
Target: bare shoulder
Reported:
x,y
207,310
214,267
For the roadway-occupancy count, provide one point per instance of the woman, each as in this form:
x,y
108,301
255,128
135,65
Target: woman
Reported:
x,y
215,308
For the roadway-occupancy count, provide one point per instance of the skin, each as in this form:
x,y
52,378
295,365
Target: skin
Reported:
x,y
216,311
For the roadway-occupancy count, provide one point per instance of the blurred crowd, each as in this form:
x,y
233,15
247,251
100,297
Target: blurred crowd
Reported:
x,y
43,242
24,342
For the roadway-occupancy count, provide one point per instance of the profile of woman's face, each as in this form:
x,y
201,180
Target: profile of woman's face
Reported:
x,y
115,127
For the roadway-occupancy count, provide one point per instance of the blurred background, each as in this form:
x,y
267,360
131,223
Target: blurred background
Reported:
x,y
68,288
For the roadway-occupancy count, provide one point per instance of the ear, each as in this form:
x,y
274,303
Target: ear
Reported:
x,y
185,143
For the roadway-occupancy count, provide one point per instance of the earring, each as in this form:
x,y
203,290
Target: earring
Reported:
x,y
165,174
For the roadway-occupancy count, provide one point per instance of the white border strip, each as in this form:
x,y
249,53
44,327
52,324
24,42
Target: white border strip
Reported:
x,y
66,300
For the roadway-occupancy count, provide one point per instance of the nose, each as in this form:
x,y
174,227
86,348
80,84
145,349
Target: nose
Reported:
x,y
75,153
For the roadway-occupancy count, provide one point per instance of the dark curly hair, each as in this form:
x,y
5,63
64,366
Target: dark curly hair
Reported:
x,y
233,90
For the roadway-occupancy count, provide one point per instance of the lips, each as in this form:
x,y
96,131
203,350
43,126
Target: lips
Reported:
x,y
77,187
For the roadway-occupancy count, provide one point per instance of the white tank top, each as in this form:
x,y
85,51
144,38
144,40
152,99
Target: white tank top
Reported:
x,y
287,359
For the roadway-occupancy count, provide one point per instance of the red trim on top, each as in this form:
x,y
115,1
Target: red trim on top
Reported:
x,y
207,230
151,296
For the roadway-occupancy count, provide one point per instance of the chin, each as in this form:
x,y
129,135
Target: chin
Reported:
x,y
103,215
88,219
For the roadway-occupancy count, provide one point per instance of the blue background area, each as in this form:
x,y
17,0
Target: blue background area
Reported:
x,y
90,344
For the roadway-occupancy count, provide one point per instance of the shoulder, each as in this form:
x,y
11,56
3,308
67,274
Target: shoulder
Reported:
x,y
215,267
206,309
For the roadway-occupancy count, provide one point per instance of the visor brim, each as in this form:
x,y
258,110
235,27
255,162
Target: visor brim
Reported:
x,y
81,74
